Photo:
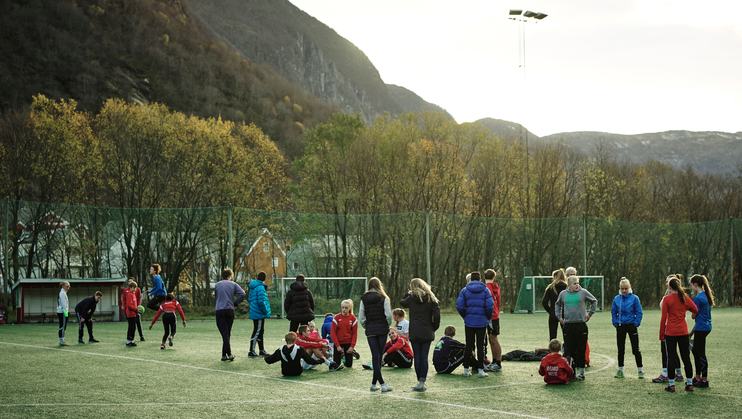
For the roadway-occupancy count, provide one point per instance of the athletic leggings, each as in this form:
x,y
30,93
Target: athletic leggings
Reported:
x,y
224,321
83,323
575,336
553,327
621,332
673,343
663,349
139,326
455,358
396,359
168,322
62,325
376,344
257,334
475,336
131,328
699,353
421,350
337,356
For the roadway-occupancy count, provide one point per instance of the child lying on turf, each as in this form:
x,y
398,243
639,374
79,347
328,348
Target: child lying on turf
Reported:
x,y
291,356
554,367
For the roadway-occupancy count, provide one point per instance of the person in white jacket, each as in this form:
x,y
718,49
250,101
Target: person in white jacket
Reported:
x,y
63,310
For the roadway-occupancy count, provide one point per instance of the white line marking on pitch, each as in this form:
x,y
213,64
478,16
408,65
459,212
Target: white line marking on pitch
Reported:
x,y
282,380
137,403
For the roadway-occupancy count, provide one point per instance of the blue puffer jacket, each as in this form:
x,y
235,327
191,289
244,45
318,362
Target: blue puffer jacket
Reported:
x,y
260,307
475,304
626,309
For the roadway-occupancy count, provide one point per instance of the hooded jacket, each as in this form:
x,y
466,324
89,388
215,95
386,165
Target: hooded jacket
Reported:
x,y
299,303
555,369
290,357
260,306
475,304
130,304
626,309
425,317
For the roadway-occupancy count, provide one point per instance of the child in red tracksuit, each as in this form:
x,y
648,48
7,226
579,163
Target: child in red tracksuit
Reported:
x,y
344,332
314,347
397,351
129,300
554,367
169,307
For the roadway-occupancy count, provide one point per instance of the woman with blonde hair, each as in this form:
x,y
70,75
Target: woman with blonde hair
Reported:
x,y
375,315
626,314
425,318
574,308
558,284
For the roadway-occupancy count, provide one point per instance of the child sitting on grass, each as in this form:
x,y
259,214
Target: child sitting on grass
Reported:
x,y
344,332
448,353
316,347
397,351
168,307
291,356
554,367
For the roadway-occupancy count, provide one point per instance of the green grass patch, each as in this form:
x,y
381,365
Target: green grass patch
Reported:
x,y
189,380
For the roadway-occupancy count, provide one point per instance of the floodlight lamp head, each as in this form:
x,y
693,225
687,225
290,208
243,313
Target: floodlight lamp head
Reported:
x,y
529,13
515,12
540,16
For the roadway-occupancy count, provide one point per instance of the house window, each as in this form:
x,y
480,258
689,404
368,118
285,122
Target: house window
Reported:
x,y
296,265
266,247
275,262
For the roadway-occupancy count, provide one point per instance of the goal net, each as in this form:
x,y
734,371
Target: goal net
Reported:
x,y
532,291
328,292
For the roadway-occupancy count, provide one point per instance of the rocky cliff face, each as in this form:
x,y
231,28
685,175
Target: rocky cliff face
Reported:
x,y
307,52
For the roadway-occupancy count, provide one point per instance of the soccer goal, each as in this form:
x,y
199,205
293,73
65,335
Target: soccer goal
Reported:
x,y
328,292
532,291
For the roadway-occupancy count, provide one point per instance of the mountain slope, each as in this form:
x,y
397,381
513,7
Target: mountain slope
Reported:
x,y
307,52
142,50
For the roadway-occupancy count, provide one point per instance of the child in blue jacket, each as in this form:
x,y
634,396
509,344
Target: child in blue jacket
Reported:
x,y
626,314
475,305
260,309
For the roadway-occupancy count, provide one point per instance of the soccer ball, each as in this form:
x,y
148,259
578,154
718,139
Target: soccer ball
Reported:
x,y
140,309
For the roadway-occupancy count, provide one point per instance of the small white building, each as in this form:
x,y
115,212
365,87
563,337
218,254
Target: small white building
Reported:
x,y
36,298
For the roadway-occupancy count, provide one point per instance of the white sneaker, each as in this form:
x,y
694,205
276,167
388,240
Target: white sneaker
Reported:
x,y
385,388
374,387
494,367
467,372
482,374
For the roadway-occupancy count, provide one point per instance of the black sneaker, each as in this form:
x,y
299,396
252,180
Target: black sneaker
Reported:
x,y
93,340
367,367
356,355
263,353
141,338
689,387
81,342
670,389
336,367
162,347
131,344
224,358
252,354
170,341
230,357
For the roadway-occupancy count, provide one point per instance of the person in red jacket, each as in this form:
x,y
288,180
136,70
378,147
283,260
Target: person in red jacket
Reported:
x,y
674,331
168,307
314,347
493,326
129,304
397,351
344,331
554,367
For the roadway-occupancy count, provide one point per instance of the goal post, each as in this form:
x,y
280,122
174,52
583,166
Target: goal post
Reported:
x,y
328,291
532,290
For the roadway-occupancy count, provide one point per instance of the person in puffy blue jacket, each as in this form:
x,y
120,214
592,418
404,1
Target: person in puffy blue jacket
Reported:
x,y
260,309
475,305
626,313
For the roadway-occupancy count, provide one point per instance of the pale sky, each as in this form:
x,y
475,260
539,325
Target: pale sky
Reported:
x,y
622,66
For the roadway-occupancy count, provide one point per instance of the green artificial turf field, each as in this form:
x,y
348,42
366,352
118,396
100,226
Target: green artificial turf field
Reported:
x,y
189,380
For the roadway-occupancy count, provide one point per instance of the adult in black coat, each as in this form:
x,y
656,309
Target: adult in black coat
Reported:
x,y
298,304
425,318
84,311
558,284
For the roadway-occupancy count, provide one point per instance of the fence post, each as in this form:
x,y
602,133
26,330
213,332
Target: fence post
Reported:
x,y
6,221
584,245
427,246
731,262
230,239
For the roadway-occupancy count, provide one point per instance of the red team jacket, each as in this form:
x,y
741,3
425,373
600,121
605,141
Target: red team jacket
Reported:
x,y
129,303
169,307
400,344
344,330
555,369
672,322
307,342
495,291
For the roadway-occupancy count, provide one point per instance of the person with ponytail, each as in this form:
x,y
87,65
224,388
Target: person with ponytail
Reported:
x,y
674,331
626,312
425,318
558,284
375,315
704,300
